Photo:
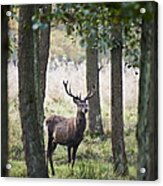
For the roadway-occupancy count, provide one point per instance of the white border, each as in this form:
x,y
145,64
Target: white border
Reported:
x,y
54,182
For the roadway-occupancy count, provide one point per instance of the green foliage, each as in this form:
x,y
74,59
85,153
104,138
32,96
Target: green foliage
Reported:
x,y
41,18
94,22
14,12
38,24
83,20
131,44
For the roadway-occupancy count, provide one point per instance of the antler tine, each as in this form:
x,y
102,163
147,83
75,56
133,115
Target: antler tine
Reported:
x,y
90,94
69,88
65,85
68,91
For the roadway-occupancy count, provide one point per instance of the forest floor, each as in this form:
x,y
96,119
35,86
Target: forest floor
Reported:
x,y
94,160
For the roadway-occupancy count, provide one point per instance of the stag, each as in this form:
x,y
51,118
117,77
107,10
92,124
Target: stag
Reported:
x,y
68,131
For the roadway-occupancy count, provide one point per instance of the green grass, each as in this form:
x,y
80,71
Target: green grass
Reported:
x,y
94,161
18,168
94,156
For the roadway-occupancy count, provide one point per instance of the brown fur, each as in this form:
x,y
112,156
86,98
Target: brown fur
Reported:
x,y
65,131
61,129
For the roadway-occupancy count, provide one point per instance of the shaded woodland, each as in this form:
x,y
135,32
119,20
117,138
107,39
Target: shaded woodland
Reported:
x,y
104,56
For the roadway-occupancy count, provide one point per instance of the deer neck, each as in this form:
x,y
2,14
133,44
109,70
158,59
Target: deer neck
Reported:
x,y
80,121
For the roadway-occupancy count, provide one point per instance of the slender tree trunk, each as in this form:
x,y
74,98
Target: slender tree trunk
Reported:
x,y
4,100
147,127
92,78
32,129
118,146
42,45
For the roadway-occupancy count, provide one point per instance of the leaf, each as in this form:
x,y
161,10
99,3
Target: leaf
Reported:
x,y
82,42
35,26
43,26
86,12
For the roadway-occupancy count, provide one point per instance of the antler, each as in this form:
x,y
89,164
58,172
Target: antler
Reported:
x,y
69,91
90,94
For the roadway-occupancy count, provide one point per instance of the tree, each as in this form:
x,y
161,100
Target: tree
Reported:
x,y
92,79
147,127
4,99
42,45
28,96
118,146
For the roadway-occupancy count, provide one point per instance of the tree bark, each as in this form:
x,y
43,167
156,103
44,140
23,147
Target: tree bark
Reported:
x,y
92,79
42,45
31,127
147,127
118,146
4,99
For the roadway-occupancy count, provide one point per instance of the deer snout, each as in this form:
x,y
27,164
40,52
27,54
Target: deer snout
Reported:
x,y
85,110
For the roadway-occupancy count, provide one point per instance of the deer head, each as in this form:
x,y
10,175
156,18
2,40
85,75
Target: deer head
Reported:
x,y
82,105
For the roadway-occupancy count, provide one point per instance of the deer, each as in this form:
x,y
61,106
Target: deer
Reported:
x,y
68,131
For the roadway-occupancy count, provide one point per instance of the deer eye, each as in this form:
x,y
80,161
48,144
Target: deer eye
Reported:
x,y
82,105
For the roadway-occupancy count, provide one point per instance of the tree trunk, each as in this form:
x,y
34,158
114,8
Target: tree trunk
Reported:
x,y
4,99
92,78
118,146
42,45
32,129
147,127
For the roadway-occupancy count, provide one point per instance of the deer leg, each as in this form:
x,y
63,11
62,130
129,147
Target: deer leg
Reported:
x,y
51,148
54,145
74,155
69,155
